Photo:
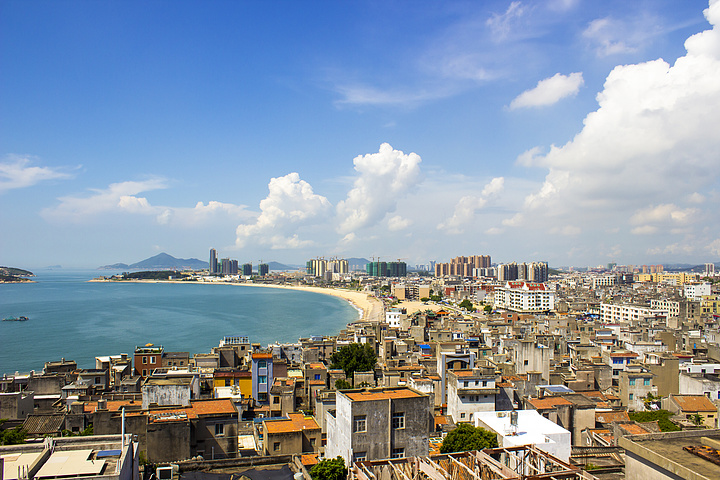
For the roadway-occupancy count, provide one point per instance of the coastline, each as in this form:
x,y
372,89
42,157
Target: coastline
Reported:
x,y
369,309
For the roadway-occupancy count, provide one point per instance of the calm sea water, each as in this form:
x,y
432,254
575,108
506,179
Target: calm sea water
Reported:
x,y
77,320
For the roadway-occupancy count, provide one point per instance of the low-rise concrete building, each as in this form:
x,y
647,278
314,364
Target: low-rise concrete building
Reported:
x,y
372,424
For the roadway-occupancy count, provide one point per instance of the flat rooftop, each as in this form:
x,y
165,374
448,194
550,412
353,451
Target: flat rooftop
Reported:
x,y
666,451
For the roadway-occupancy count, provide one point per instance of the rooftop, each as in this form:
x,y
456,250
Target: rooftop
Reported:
x,y
380,394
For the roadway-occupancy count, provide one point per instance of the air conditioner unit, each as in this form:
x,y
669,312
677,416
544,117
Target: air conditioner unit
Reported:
x,y
164,473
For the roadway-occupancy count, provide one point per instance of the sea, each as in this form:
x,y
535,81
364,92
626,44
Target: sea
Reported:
x,y
72,318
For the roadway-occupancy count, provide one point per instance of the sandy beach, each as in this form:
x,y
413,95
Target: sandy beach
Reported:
x,y
371,307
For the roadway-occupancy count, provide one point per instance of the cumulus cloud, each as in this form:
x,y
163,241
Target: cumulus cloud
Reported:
x,y
290,204
16,172
467,207
653,135
549,91
122,198
382,179
398,223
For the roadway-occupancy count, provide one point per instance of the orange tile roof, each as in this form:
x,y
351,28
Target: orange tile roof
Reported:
x,y
309,460
217,406
607,417
548,402
634,428
694,403
112,405
296,422
316,366
381,394
262,355
623,354
316,382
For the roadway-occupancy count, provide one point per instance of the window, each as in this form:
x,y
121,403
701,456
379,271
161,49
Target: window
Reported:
x,y
262,397
526,362
317,376
631,396
262,378
262,363
462,415
360,423
360,456
276,399
276,446
484,384
219,429
646,382
397,453
632,382
398,420
466,384
144,373
312,442
152,359
144,360
617,361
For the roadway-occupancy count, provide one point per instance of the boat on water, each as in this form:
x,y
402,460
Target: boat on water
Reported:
x,y
21,318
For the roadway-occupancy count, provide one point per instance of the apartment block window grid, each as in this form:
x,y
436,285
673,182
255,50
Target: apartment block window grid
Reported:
x,y
398,453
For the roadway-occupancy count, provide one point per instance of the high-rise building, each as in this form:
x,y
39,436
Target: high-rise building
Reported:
x,y
463,266
263,269
213,266
709,269
247,269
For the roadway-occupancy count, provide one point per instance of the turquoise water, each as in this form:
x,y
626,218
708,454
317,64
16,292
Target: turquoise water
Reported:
x,y
77,320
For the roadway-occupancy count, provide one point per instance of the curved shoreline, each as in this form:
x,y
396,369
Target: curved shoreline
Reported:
x,y
369,309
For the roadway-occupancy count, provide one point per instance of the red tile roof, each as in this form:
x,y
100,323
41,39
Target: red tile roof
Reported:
x,y
694,403
296,422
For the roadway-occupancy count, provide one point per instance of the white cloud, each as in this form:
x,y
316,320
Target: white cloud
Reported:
x,y
467,207
290,204
612,36
122,198
549,91
652,141
118,197
501,24
16,172
398,223
664,214
383,178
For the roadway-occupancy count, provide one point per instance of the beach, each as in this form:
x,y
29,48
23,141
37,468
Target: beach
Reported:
x,y
371,307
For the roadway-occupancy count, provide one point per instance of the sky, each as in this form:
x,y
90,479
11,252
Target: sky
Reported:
x,y
575,132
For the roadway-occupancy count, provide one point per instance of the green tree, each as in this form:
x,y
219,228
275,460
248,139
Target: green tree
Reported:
x,y
329,469
467,305
487,309
342,384
466,437
424,299
13,436
436,298
354,358
697,419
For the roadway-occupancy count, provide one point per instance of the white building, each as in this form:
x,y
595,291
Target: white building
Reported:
x,y
532,429
611,313
469,392
520,296
695,291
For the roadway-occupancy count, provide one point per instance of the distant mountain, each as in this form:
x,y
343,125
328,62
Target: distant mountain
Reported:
x,y
357,263
161,261
281,267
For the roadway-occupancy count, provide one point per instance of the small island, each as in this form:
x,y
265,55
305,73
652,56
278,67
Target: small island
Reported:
x,y
15,275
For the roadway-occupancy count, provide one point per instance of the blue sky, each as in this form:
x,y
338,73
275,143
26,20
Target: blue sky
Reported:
x,y
570,131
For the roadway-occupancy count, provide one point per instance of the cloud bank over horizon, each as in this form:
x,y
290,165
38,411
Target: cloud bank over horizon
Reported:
x,y
527,131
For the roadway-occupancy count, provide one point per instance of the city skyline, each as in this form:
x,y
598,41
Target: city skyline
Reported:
x,y
573,132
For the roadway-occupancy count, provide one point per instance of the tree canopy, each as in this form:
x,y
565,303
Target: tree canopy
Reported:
x,y
467,305
329,469
466,437
354,358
